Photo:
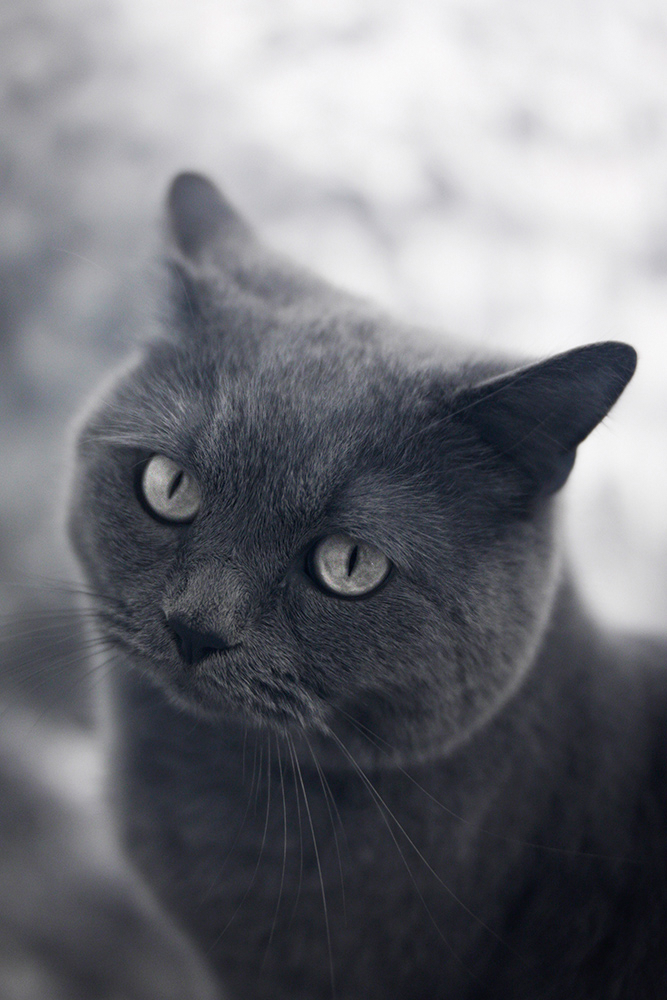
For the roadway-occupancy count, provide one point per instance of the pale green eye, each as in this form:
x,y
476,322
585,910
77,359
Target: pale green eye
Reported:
x,y
346,567
169,491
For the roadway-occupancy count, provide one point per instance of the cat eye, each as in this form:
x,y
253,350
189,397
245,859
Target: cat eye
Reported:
x,y
168,491
348,568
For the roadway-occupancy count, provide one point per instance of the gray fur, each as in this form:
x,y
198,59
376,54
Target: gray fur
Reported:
x,y
452,788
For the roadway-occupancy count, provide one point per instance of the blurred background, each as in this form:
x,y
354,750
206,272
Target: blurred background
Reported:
x,y
495,169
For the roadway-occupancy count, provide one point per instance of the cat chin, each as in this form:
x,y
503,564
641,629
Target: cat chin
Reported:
x,y
336,739
204,699
362,732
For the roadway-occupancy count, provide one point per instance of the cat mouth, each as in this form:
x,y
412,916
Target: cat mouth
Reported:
x,y
231,690
226,683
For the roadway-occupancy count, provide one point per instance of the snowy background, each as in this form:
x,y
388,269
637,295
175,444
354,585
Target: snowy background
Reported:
x,y
497,168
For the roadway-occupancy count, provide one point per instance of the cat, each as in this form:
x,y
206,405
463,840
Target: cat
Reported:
x,y
364,738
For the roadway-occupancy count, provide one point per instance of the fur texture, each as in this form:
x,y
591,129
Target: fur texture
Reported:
x,y
451,787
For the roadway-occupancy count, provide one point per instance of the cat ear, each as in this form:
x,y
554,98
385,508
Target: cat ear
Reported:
x,y
217,248
202,222
536,416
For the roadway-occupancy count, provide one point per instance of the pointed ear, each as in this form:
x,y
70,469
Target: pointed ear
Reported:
x,y
202,222
537,416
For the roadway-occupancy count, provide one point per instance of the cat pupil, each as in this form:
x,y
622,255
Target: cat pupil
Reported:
x,y
178,479
353,560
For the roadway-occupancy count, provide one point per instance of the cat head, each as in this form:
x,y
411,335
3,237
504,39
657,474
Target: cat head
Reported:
x,y
295,513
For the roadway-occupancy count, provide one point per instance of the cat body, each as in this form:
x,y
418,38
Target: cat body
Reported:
x,y
364,739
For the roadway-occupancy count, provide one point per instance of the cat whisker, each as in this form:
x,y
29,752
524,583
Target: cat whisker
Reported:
x,y
43,643
297,897
29,683
376,741
259,860
24,623
50,640
64,614
319,868
327,796
332,800
450,892
284,864
51,585
85,260
46,670
218,875
89,677
384,810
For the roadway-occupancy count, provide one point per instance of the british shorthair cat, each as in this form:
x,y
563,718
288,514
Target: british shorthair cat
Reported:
x,y
365,740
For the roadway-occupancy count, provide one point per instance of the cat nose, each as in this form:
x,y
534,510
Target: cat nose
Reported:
x,y
193,645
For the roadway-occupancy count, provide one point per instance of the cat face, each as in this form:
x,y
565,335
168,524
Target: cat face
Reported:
x,y
289,520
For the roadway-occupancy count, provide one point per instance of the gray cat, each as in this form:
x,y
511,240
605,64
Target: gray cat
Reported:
x,y
365,739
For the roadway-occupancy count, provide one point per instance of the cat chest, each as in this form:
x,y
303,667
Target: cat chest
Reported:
x,y
290,879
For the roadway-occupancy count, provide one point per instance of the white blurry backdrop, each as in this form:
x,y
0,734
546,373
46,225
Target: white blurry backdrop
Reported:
x,y
496,168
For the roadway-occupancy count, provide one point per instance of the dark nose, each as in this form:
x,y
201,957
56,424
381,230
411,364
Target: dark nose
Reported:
x,y
194,645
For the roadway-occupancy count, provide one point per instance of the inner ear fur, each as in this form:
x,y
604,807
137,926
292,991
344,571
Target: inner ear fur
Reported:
x,y
537,416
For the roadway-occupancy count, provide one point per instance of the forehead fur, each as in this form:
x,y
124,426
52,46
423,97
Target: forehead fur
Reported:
x,y
311,372
287,429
